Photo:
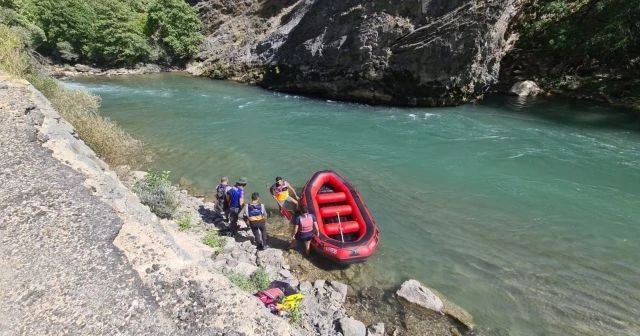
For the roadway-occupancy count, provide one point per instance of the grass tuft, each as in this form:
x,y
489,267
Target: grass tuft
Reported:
x,y
258,281
213,240
185,222
295,315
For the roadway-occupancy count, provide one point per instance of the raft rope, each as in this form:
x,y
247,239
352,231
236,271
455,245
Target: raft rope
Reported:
x,y
340,224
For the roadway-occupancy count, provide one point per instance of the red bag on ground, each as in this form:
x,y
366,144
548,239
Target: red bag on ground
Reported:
x,y
270,297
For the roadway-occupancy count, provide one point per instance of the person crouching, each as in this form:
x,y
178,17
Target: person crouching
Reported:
x,y
257,218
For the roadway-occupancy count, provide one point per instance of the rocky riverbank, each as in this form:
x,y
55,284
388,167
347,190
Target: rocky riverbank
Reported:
x,y
109,256
67,70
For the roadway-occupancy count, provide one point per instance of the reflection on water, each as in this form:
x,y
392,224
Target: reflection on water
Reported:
x,y
523,212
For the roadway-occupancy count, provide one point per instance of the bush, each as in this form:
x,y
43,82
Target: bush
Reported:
x,y
184,222
174,25
258,281
156,191
295,315
104,136
13,58
213,240
605,30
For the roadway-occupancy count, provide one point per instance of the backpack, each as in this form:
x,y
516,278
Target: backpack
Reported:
x,y
221,191
270,297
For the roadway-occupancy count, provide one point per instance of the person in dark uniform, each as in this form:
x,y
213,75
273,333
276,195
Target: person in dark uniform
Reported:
x,y
256,216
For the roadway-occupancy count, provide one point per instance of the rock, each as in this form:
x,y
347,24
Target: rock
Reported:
x,y
285,274
425,52
271,258
293,282
525,88
305,287
376,329
414,292
83,68
457,313
352,327
137,175
340,288
319,286
245,269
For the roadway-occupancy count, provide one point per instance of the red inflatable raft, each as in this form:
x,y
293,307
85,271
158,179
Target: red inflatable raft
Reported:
x,y
347,232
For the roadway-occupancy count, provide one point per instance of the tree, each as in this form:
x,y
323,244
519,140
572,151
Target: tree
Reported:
x,y
174,25
67,24
118,40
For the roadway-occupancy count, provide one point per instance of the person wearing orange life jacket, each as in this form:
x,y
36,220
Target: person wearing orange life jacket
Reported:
x,y
306,226
256,215
280,191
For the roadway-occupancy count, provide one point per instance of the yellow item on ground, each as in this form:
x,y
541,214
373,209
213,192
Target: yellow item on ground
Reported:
x,y
290,302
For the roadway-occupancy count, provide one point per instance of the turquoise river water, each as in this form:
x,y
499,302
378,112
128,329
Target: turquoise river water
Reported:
x,y
525,213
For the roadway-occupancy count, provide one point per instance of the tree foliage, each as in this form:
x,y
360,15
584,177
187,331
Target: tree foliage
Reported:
x,y
108,32
604,30
175,25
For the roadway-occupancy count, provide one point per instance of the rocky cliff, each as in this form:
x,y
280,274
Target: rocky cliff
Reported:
x,y
406,52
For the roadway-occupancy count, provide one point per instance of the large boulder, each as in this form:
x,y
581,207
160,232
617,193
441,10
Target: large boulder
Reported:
x,y
525,88
414,292
408,52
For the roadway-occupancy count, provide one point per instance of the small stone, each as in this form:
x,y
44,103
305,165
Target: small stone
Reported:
x,y
305,287
376,329
352,327
285,274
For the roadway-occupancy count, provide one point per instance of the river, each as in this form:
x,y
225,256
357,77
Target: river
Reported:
x,y
524,212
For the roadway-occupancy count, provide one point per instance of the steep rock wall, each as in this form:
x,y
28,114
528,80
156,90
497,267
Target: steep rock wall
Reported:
x,y
406,52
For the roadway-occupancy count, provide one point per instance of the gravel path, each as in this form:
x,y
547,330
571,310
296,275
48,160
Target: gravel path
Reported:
x,y
59,270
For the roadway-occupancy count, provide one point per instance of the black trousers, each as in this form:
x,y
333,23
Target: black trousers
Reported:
x,y
259,230
233,220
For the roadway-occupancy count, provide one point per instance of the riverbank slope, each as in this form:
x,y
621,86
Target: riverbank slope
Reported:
x,y
81,255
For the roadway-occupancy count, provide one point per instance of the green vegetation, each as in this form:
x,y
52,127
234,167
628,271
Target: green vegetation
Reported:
x,y
295,315
258,281
184,222
604,30
591,47
79,108
156,191
213,240
107,32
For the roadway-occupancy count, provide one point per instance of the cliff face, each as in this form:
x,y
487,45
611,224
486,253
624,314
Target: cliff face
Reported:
x,y
407,52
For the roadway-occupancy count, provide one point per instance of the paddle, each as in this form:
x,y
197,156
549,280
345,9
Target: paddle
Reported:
x,y
340,225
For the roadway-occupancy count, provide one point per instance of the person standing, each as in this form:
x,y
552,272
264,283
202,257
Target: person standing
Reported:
x,y
280,192
221,205
235,198
306,225
256,215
